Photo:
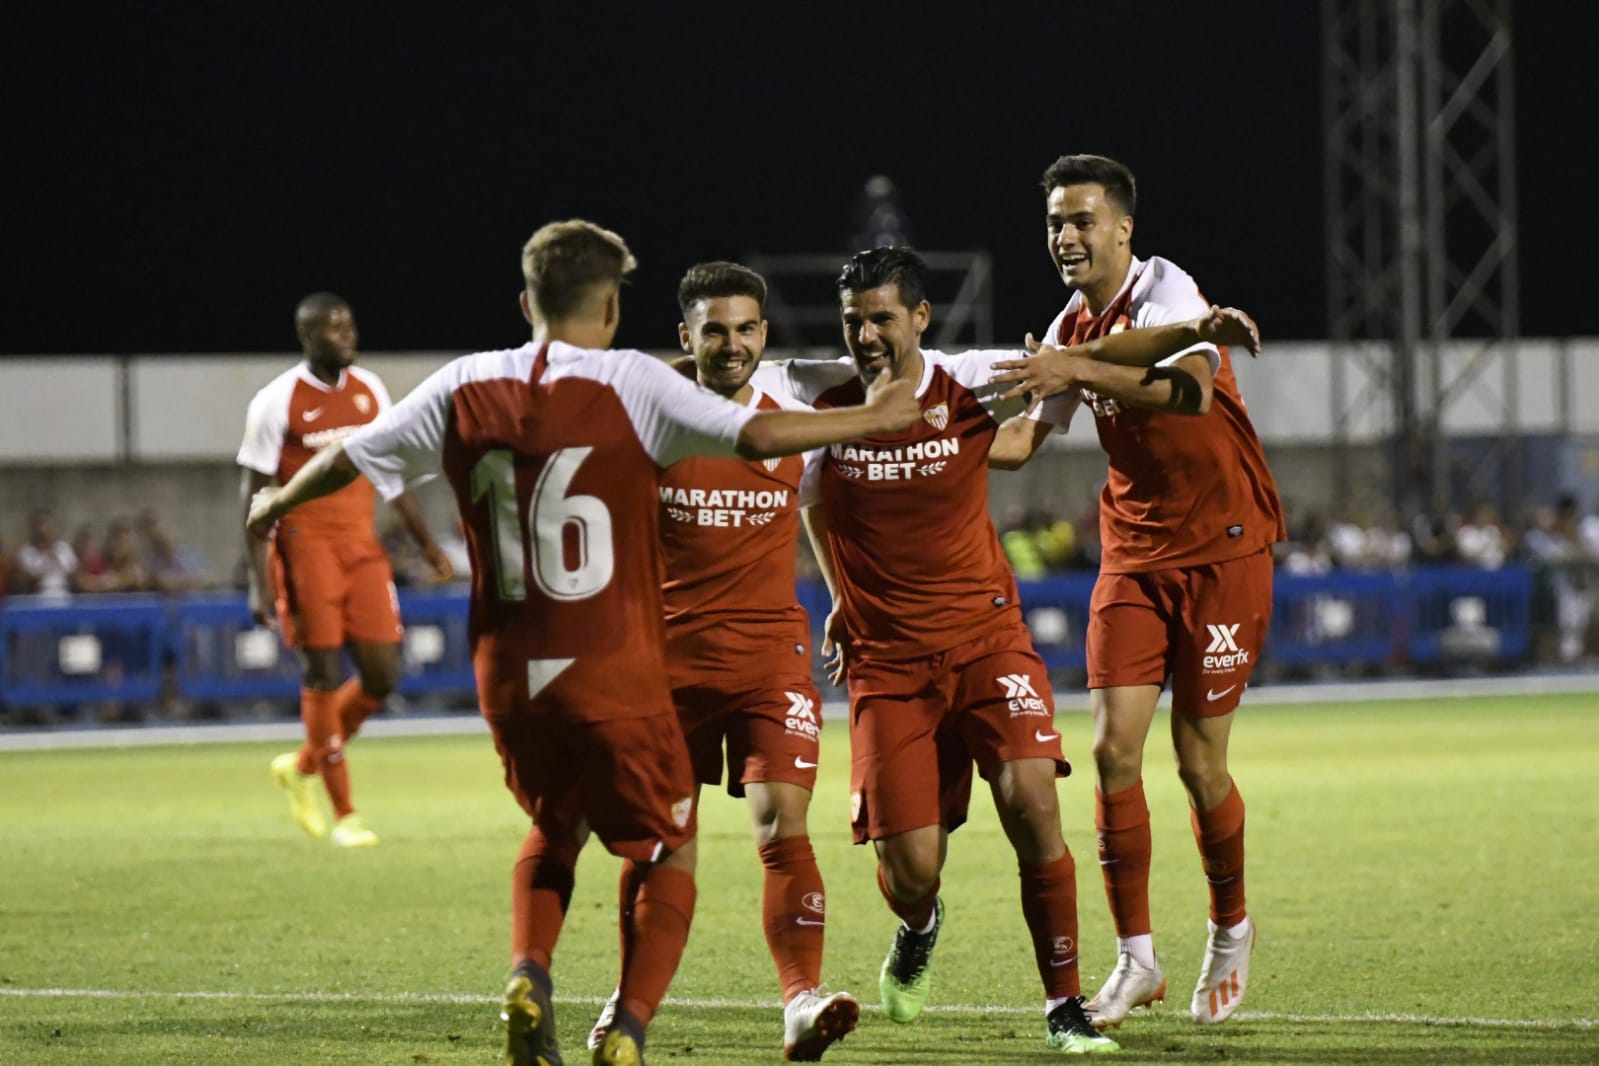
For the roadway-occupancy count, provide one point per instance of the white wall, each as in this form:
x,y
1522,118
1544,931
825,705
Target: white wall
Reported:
x,y
68,409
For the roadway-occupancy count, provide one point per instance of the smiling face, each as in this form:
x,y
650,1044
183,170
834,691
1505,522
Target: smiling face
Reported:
x,y
1090,241
881,332
726,335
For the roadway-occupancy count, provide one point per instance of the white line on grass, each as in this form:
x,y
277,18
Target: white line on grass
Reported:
x,y
753,1004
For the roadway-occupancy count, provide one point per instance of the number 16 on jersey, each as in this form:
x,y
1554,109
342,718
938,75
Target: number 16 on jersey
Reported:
x,y
572,554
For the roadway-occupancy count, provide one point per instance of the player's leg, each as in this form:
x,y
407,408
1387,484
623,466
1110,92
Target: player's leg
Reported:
x,y
538,773
377,672
639,798
372,626
1005,716
1225,615
369,620
309,618
1128,654
906,794
793,910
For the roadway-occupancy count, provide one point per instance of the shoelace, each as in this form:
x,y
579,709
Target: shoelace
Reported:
x,y
911,952
1069,1018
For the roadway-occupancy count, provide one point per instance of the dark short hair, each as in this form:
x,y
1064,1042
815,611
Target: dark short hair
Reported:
x,y
1121,188
707,281
317,306
563,261
886,266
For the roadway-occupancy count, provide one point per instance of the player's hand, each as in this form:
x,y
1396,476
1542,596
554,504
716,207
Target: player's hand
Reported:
x,y
895,401
261,519
439,563
1229,326
1048,371
261,612
834,643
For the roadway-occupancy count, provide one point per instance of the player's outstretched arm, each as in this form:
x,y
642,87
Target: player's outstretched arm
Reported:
x,y
890,406
1047,372
422,536
1145,347
327,472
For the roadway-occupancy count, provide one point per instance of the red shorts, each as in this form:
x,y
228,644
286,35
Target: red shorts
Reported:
x,y
771,726
916,725
628,779
333,592
1201,626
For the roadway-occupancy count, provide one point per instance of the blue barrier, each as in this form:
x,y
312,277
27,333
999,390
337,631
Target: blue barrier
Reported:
x,y
203,647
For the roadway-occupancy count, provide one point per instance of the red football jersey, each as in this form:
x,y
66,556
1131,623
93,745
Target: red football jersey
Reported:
x,y
918,562
296,416
728,533
554,455
1182,490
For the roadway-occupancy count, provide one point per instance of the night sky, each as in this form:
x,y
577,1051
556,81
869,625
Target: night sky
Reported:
x,y
176,183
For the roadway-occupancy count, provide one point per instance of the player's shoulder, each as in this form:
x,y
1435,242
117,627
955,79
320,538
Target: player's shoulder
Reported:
x,y
279,389
1162,281
804,380
366,377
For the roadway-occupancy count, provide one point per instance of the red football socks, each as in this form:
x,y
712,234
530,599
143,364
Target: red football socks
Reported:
x,y
323,750
792,912
541,890
1124,847
1049,904
1220,834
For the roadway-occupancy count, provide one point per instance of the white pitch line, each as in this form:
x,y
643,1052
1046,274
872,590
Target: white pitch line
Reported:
x,y
751,1004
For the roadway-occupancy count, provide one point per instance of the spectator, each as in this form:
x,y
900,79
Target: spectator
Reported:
x,y
1482,539
1434,539
123,569
1555,540
170,566
1306,549
45,564
91,560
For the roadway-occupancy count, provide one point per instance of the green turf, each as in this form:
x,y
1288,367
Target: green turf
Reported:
x,y
1429,860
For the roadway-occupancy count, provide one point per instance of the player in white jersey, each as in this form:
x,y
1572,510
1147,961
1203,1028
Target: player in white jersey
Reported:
x,y
554,452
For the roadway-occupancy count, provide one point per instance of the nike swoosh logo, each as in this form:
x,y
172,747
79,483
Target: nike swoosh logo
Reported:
x,y
312,416
1043,737
1212,697
1063,962
803,765
807,921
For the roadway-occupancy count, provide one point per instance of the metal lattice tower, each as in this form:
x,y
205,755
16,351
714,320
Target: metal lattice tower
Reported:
x,y
1421,237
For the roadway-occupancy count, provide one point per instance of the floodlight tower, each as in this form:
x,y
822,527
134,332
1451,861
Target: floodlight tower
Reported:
x,y
1420,226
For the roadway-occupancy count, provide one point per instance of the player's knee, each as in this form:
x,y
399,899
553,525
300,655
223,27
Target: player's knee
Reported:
x,y
1205,778
379,680
1117,756
327,751
910,874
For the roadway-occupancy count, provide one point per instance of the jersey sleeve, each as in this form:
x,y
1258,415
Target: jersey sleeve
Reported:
x,y
974,368
1173,297
405,443
264,425
801,381
675,418
380,391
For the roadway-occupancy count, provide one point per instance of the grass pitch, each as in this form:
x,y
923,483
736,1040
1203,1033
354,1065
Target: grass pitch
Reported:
x,y
1422,873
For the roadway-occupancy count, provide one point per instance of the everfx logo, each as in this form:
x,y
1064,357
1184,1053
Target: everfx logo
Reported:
x,y
1020,695
1017,686
1222,639
1223,652
801,716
